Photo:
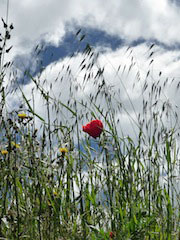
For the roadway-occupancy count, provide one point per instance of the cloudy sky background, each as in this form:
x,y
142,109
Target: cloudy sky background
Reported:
x,y
110,27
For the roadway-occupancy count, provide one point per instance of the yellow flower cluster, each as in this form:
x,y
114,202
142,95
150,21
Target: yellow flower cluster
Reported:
x,y
15,145
63,150
22,115
4,152
55,193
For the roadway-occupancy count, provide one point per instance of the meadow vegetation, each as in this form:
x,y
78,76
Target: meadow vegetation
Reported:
x,y
57,182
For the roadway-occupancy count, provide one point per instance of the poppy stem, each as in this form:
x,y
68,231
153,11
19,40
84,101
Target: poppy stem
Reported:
x,y
81,177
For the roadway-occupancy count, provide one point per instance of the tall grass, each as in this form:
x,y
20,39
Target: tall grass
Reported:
x,y
56,182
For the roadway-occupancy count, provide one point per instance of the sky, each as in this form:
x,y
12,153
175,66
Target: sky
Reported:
x,y
132,37
122,32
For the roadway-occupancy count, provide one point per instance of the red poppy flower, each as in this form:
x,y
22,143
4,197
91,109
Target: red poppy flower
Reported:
x,y
111,235
93,128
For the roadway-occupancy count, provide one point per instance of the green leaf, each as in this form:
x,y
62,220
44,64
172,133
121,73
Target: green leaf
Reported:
x,y
29,106
68,108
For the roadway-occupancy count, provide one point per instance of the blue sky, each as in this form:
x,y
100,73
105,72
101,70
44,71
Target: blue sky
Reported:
x,y
69,45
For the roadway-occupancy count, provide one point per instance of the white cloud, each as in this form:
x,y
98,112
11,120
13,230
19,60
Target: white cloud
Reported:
x,y
34,20
127,19
125,88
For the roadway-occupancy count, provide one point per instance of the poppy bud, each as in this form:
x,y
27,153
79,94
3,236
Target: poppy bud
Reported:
x,y
111,235
93,128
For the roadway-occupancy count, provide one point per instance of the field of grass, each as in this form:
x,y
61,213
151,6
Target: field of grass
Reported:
x,y
57,182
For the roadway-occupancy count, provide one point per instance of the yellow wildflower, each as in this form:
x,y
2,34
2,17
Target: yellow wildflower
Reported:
x,y
4,152
15,145
63,150
55,193
22,115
